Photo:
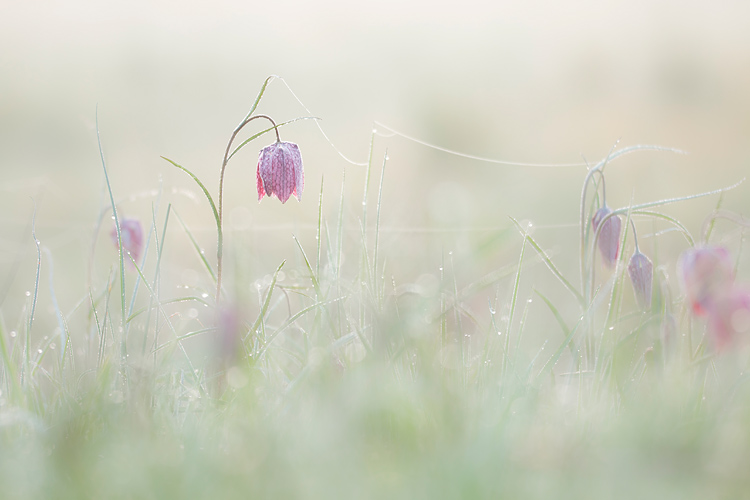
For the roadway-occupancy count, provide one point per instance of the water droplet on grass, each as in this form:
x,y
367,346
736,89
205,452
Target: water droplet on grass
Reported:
x,y
28,293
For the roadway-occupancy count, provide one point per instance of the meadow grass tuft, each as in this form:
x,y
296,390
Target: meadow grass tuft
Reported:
x,y
326,374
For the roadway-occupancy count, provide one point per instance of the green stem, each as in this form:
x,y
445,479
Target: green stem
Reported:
x,y
220,223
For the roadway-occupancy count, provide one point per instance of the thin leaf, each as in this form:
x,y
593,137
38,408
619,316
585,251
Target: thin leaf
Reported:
x,y
549,263
201,253
560,321
267,300
117,223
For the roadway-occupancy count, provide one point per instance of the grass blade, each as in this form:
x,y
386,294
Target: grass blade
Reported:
x,y
199,251
550,265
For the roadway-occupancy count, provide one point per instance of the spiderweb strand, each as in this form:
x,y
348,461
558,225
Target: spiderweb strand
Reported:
x,y
474,157
317,123
458,153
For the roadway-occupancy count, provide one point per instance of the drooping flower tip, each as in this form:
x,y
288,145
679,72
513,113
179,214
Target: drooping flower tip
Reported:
x,y
609,235
641,272
280,171
706,273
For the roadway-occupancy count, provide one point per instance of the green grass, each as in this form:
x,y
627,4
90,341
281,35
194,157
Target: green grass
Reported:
x,y
347,381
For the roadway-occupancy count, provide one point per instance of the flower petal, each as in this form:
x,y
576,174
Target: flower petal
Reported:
x,y
706,273
641,272
280,171
131,234
609,235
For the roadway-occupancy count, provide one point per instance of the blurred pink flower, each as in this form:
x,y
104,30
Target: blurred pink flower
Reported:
x,y
641,273
229,326
707,274
132,238
609,236
728,316
280,171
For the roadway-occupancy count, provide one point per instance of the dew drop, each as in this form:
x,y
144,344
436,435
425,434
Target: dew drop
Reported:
x,y
39,351
13,334
53,346
204,295
611,328
28,293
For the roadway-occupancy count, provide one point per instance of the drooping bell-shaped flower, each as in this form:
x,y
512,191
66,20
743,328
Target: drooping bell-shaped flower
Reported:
x,y
641,272
707,274
131,233
280,171
609,236
729,316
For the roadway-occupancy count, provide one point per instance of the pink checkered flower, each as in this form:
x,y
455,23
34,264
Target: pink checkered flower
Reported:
x,y
729,316
609,236
641,272
280,171
707,274
132,238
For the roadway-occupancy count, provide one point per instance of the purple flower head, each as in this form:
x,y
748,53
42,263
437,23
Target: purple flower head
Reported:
x,y
729,316
707,273
132,238
280,171
641,273
609,236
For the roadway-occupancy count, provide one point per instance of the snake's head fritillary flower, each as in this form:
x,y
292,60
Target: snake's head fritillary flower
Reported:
x,y
280,171
641,272
609,236
729,316
132,238
707,274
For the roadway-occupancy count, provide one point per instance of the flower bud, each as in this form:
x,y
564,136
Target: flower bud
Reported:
x,y
707,273
280,171
131,233
641,273
609,236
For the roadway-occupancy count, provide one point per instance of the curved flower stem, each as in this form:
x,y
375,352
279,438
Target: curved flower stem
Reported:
x,y
220,245
635,236
599,168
